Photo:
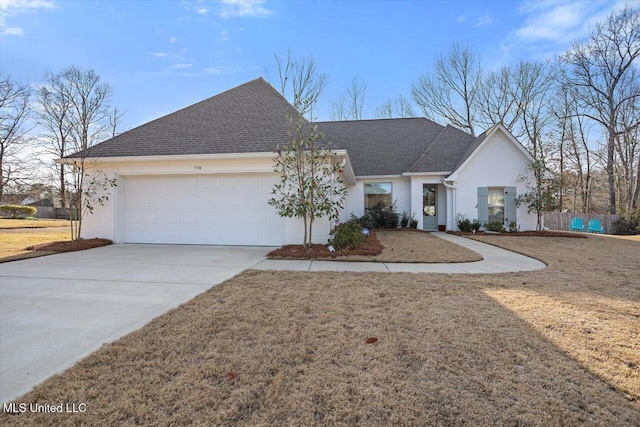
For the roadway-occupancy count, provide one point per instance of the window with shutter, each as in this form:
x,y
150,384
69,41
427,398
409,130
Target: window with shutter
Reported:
x,y
483,205
510,205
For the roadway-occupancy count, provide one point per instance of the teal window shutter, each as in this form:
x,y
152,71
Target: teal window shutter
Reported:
x,y
510,204
483,205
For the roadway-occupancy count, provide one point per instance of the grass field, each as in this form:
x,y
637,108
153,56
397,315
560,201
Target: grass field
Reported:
x,y
408,246
559,346
16,240
32,223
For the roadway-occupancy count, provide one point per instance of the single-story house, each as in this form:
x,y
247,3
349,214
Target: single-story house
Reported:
x,y
204,174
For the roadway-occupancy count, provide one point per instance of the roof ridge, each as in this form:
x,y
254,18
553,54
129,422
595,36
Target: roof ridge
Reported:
x,y
379,120
424,153
217,124
257,80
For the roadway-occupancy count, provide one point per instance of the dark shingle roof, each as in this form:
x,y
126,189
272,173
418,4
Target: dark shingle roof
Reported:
x,y
444,152
473,144
381,147
252,118
246,119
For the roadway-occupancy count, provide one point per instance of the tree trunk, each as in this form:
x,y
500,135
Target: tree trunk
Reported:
x,y
636,193
610,172
304,240
63,190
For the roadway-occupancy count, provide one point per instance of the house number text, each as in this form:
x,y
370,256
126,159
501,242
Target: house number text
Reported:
x,y
198,168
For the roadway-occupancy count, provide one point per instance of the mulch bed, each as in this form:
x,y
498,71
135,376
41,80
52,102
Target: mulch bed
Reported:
x,y
70,246
524,234
370,247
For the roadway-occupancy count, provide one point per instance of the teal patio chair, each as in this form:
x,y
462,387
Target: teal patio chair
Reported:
x,y
577,224
595,226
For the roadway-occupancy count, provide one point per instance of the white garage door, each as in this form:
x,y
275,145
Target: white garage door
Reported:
x,y
199,209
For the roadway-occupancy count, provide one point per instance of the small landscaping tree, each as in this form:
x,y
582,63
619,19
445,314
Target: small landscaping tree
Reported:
x,y
309,186
91,189
542,194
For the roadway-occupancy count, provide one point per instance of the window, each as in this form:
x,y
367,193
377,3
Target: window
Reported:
x,y
496,204
376,192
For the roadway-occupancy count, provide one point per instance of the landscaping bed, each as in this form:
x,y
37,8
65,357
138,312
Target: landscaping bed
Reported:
x,y
370,247
71,245
401,245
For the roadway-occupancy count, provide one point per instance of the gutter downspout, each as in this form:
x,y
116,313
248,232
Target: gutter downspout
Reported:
x,y
451,226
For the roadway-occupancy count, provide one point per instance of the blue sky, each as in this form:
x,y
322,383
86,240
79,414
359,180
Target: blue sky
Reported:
x,y
161,56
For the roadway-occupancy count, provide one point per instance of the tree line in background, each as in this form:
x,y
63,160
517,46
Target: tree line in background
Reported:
x,y
579,114
72,110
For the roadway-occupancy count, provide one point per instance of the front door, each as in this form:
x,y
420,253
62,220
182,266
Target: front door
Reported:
x,y
429,207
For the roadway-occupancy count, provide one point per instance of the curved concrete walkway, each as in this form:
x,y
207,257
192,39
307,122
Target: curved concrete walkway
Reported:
x,y
496,260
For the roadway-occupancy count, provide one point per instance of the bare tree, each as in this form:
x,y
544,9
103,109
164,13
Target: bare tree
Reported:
x,y
396,108
576,160
450,92
14,114
349,105
497,102
299,81
354,94
338,110
115,119
53,117
79,113
627,149
602,69
534,84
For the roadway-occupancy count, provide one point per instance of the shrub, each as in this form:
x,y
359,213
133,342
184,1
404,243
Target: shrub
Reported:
x,y
464,223
495,226
628,224
513,227
17,211
413,222
379,216
475,225
347,235
404,220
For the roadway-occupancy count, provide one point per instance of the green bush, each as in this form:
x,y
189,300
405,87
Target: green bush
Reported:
x,y
404,220
379,216
17,211
495,226
513,227
475,225
413,222
464,223
347,235
628,224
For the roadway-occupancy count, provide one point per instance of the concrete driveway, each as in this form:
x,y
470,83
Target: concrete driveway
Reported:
x,y
55,310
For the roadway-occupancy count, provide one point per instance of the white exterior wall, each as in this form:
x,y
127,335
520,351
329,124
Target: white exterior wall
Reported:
x,y
104,222
355,198
497,163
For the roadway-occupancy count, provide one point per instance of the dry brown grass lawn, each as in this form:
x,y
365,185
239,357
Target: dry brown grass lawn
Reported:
x,y
32,223
15,241
559,346
413,246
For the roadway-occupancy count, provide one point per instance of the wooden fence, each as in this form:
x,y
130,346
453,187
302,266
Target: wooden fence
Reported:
x,y
562,220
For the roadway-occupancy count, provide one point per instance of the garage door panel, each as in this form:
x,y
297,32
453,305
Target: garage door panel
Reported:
x,y
200,209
